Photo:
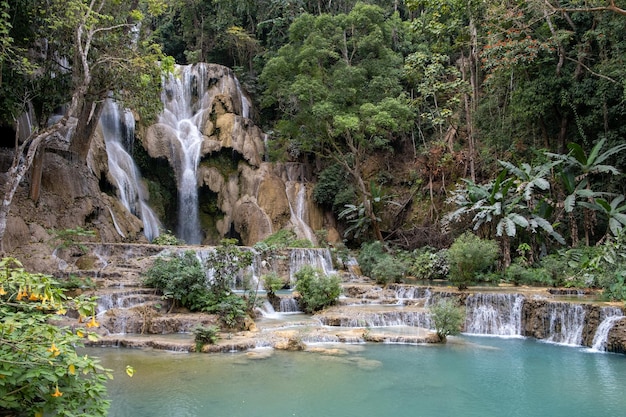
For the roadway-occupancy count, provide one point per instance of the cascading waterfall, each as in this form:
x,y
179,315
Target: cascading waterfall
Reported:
x,y
187,96
565,323
494,314
608,316
119,134
297,196
317,258
392,318
184,118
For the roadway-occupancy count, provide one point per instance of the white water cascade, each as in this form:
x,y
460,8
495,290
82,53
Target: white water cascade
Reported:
x,y
609,316
317,258
188,96
119,131
565,323
297,196
494,314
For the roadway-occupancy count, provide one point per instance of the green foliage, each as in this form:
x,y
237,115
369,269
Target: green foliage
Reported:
x,y
448,318
316,289
226,264
74,282
389,269
520,273
427,264
333,188
285,238
231,308
180,278
204,335
69,238
370,254
40,371
470,255
166,238
272,282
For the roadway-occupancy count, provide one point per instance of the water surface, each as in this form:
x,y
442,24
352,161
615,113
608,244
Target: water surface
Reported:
x,y
469,376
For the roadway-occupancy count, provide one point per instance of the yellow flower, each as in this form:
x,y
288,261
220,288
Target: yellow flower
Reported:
x,y
93,322
54,350
21,294
33,297
2,290
80,333
39,413
71,369
57,393
61,311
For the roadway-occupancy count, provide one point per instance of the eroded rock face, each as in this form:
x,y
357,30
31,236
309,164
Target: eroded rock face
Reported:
x,y
207,98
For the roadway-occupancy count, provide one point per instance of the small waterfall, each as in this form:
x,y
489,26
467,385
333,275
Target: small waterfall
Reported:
x,y
392,318
297,196
406,293
609,316
289,305
494,314
119,133
317,258
565,323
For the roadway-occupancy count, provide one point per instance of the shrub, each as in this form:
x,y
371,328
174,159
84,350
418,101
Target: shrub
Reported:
x,y
448,318
205,335
272,282
427,264
180,278
284,238
167,239
370,254
520,274
316,289
388,269
227,262
470,255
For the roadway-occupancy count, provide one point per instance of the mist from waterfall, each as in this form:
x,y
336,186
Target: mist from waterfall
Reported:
x,y
118,128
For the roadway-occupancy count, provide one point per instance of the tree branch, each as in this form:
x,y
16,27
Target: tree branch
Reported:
x,y
591,71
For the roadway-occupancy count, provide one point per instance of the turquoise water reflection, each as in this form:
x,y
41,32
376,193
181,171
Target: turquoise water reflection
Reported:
x,y
471,376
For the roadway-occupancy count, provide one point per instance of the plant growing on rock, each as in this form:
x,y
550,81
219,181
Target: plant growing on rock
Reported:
x,y
205,335
317,290
448,318
180,278
470,255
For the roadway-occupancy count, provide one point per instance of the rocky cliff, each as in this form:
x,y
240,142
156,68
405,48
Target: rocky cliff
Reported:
x,y
237,193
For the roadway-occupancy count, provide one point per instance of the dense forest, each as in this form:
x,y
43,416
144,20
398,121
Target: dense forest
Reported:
x,y
420,119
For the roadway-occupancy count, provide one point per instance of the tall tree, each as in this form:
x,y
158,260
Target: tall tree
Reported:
x,y
337,90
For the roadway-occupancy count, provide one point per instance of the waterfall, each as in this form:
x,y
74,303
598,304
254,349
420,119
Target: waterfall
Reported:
x,y
406,293
392,318
188,96
119,132
609,316
494,314
289,305
180,96
317,258
565,323
297,196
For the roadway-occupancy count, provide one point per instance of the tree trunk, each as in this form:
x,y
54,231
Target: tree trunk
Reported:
x,y
22,162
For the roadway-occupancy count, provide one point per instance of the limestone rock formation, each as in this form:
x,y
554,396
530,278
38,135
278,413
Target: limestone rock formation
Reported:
x,y
206,99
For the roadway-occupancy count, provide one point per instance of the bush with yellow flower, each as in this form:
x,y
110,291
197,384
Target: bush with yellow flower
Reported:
x,y
40,371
